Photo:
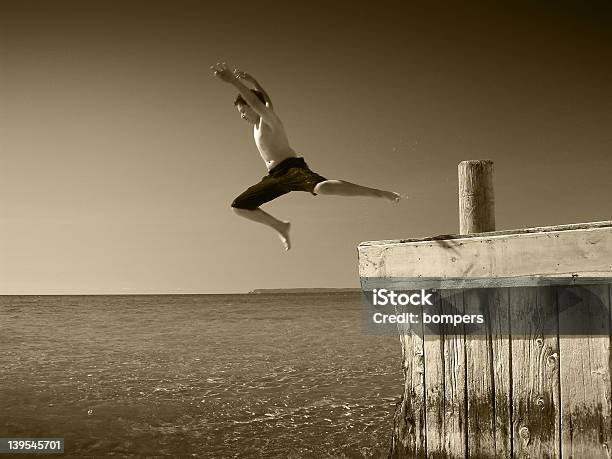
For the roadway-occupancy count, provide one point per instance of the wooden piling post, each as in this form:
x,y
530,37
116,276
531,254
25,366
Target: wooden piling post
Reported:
x,y
476,197
487,376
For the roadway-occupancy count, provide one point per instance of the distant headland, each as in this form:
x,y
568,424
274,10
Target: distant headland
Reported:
x,y
304,290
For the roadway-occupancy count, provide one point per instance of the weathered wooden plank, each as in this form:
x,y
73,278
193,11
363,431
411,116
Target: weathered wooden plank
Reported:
x,y
502,371
434,387
409,422
535,374
586,398
586,252
455,408
445,383
480,383
454,283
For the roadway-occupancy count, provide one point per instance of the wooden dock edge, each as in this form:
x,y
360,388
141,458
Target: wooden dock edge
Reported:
x,y
502,396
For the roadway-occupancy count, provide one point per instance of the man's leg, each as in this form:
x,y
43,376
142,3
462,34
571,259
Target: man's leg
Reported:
x,y
342,188
259,216
247,205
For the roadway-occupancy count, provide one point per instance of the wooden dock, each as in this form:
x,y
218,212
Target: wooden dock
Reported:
x,y
540,394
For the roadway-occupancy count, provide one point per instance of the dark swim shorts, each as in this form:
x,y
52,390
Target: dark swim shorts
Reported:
x,y
291,174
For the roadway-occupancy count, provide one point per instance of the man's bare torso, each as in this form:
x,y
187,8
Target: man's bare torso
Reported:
x,y
272,142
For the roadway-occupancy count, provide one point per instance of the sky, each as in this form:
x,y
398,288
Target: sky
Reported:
x,y
120,153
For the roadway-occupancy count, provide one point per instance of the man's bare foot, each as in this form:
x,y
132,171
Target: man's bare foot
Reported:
x,y
391,196
283,233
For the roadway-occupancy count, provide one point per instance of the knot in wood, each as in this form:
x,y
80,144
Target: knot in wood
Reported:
x,y
524,433
552,359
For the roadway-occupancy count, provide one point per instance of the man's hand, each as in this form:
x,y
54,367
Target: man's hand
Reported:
x,y
222,71
244,76
240,75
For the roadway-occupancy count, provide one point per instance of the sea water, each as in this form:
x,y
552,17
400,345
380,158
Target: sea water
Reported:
x,y
259,375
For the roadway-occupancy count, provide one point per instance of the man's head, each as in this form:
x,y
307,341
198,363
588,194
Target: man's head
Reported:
x,y
246,112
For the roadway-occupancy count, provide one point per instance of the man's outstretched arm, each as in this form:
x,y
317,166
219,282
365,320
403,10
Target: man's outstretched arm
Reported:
x,y
247,77
223,73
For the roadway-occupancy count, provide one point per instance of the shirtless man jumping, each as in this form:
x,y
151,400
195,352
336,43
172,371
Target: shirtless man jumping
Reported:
x,y
286,171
